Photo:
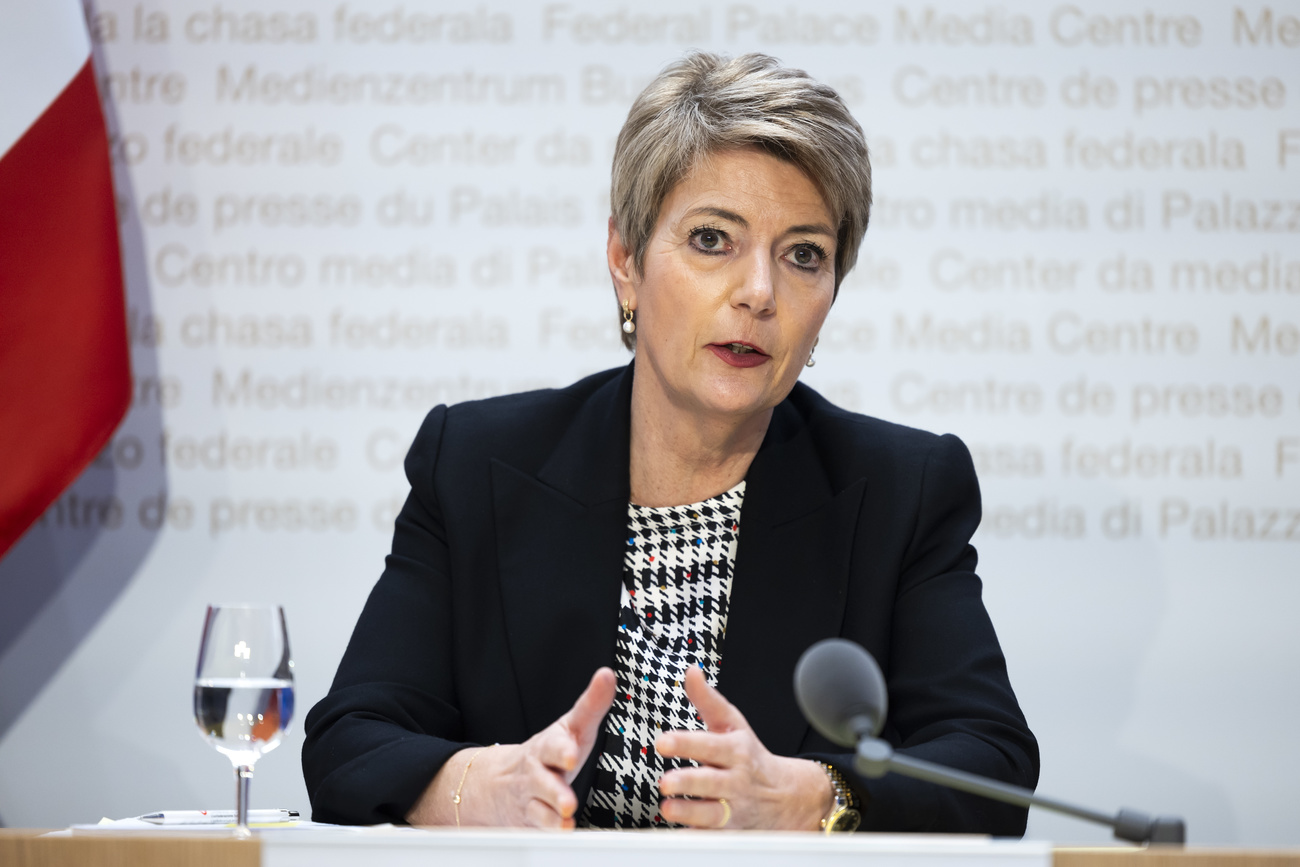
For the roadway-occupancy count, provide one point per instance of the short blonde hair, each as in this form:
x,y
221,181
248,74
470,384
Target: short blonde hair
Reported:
x,y
706,103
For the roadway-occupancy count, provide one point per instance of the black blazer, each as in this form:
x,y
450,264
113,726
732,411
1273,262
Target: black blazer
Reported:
x,y
501,597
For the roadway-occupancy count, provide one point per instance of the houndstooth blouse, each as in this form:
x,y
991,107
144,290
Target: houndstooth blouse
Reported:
x,y
676,590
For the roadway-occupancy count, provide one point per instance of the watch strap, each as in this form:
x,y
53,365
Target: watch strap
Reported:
x,y
843,815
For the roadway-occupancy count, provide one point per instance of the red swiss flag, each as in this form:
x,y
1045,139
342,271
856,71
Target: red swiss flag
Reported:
x,y
65,380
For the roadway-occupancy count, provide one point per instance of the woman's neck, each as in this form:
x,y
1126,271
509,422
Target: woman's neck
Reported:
x,y
679,456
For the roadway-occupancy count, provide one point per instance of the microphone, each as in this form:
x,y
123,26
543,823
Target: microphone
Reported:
x,y
841,692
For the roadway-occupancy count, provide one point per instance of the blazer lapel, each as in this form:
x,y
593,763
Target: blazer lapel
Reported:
x,y
560,545
791,578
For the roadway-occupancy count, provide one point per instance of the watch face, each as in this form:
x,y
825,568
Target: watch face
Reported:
x,y
844,821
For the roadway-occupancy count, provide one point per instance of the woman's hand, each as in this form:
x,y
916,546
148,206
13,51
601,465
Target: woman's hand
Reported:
x,y
761,790
526,784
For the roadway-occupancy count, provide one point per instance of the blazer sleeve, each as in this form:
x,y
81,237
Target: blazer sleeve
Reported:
x,y
950,700
391,719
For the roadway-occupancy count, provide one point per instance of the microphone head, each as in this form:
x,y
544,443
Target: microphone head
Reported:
x,y
841,692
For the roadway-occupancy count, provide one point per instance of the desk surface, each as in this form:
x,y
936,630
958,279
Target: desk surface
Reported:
x,y
399,848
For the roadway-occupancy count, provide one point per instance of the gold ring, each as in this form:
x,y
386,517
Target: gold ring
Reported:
x,y
726,812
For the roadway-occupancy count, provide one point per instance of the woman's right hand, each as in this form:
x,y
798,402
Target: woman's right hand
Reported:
x,y
521,785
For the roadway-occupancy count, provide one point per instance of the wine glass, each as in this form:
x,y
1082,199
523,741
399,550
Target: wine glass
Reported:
x,y
243,689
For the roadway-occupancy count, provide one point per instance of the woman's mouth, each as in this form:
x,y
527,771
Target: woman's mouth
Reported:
x,y
740,354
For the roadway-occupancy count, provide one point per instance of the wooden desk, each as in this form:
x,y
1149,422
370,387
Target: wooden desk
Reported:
x,y
1170,857
26,848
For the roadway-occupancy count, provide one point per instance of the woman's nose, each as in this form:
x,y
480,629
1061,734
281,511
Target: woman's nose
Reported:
x,y
753,288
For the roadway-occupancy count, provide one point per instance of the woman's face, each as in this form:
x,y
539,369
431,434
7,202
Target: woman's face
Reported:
x,y
739,276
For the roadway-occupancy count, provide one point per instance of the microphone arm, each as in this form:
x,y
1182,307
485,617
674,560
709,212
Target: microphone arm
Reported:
x,y
842,693
876,757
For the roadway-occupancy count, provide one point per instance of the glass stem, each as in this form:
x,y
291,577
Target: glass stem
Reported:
x,y
243,776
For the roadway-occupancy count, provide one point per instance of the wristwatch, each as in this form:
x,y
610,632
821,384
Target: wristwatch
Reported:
x,y
843,815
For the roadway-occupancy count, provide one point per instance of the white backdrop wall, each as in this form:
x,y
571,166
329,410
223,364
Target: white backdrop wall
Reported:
x,y
1083,260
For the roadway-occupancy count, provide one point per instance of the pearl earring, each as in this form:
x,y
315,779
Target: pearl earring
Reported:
x,y
628,325
812,362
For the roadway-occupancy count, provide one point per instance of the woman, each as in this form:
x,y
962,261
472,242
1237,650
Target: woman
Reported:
x,y
663,542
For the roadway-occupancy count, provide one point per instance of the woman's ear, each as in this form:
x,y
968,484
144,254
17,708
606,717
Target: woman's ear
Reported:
x,y
622,269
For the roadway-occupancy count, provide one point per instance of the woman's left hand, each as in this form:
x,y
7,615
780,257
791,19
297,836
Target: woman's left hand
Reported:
x,y
761,790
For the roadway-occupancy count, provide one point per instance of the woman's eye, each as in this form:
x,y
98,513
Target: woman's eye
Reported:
x,y
709,239
806,257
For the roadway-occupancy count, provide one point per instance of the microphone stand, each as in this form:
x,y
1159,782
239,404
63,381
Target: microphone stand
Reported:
x,y
876,757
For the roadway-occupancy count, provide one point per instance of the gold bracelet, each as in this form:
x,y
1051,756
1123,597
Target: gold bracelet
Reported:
x,y
455,800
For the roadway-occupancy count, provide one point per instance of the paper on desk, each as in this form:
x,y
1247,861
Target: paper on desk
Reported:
x,y
140,826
